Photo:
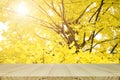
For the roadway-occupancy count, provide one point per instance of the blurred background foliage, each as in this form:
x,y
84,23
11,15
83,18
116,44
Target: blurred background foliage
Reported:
x,y
59,31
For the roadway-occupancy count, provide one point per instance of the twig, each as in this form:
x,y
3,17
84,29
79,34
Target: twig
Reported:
x,y
89,37
98,31
104,41
114,48
41,37
93,15
99,9
95,33
46,13
75,2
80,16
92,41
97,12
53,8
107,9
84,42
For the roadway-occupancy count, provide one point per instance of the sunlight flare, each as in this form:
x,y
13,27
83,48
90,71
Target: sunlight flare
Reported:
x,y
22,9
3,27
98,37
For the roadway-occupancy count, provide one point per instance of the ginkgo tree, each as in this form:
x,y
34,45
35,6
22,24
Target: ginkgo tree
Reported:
x,y
59,31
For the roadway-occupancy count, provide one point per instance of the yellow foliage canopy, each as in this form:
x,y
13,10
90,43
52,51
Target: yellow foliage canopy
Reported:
x,y
59,31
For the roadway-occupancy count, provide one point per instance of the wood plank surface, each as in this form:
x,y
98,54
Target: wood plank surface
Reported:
x,y
59,71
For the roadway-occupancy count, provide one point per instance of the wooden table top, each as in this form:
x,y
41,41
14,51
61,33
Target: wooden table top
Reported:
x,y
60,70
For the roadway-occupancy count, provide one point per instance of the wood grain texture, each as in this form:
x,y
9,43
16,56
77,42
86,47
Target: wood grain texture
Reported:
x,y
59,72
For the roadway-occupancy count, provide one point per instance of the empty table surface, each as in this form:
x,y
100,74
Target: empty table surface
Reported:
x,y
59,72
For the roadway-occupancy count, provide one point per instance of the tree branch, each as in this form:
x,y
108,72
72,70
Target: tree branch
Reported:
x,y
99,9
95,34
97,12
80,16
72,35
41,37
104,41
93,15
65,22
114,48
46,13
92,41
98,31
53,8
84,42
